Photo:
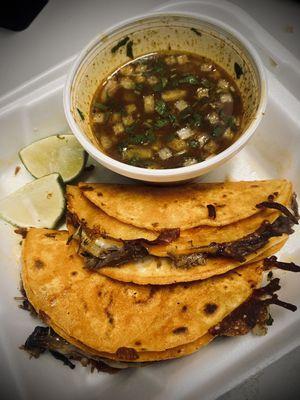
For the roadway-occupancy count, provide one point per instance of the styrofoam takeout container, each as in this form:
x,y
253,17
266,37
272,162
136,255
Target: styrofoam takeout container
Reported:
x,y
35,110
158,32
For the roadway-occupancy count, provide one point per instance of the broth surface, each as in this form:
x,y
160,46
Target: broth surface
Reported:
x,y
166,110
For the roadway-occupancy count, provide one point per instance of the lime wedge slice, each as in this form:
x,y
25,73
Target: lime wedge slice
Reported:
x,y
61,153
40,203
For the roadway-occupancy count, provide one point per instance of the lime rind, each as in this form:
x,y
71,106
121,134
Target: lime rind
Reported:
x,y
40,203
59,153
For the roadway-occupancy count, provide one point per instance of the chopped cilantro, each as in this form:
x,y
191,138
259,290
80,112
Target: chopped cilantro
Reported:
x,y
158,87
172,119
161,107
191,79
196,120
160,123
131,128
218,131
228,120
139,87
193,143
143,138
159,67
100,106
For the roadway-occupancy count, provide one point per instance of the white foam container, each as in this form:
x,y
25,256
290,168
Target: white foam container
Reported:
x,y
35,110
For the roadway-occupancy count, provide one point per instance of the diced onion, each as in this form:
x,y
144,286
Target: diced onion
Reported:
x,y
165,153
98,118
181,105
173,95
189,161
185,133
213,118
149,104
223,84
118,128
226,98
202,92
206,67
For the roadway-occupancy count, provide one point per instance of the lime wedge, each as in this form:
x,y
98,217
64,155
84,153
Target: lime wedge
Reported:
x,y
61,153
38,204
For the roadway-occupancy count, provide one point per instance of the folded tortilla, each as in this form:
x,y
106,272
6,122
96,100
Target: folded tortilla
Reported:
x,y
190,257
98,224
186,206
106,315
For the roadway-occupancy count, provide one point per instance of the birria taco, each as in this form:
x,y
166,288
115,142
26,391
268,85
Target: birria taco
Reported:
x,y
106,323
149,235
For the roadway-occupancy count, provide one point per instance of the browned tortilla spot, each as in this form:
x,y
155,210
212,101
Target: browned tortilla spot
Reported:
x,y
86,188
181,329
38,264
210,308
50,235
127,354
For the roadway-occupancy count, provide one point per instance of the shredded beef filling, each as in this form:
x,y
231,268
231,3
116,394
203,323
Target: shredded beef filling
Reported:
x,y
253,312
252,242
280,207
130,252
272,262
237,250
44,339
294,206
189,260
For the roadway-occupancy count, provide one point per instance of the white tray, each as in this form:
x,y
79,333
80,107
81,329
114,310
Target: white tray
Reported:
x,y
34,111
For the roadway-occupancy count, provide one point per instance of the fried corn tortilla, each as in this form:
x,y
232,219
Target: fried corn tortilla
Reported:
x,y
186,206
97,223
141,356
195,239
107,315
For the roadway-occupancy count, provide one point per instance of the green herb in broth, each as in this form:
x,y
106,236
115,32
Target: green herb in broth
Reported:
x,y
161,107
191,79
166,110
100,106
